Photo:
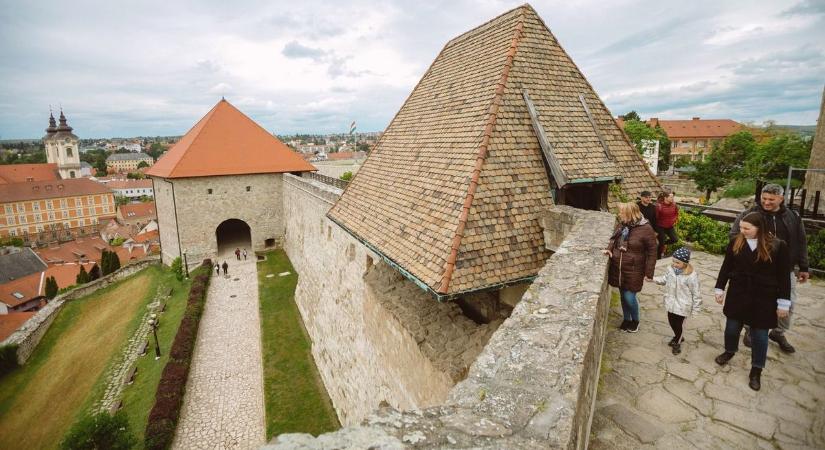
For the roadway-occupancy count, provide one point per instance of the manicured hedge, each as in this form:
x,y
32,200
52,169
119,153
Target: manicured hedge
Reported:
x,y
704,233
160,429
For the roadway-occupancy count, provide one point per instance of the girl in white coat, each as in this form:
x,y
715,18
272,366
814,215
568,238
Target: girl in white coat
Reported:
x,y
682,296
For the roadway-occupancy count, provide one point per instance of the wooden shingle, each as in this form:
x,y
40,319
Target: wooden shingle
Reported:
x,y
453,190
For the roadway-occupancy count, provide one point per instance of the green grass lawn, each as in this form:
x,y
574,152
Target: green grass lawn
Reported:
x,y
139,397
296,400
65,374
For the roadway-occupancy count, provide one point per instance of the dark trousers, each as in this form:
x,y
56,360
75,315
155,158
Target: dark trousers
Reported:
x,y
759,341
666,236
676,322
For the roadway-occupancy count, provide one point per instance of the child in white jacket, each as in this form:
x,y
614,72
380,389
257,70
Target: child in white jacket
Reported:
x,y
682,296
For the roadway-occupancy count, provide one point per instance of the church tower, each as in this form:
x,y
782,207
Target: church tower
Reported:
x,y
62,147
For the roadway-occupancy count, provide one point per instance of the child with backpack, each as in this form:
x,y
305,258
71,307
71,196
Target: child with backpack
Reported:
x,y
682,296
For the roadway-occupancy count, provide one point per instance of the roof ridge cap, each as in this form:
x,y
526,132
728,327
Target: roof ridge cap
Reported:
x,y
474,29
449,265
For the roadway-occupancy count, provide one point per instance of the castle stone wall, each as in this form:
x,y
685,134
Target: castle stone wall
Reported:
x,y
199,212
534,383
365,355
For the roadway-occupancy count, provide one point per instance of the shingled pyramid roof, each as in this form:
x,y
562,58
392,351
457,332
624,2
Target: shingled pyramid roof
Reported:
x,y
453,190
227,142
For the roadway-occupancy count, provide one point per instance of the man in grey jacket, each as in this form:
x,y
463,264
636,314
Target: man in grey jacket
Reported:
x,y
785,224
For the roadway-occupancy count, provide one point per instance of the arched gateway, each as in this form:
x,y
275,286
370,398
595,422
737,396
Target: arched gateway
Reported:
x,y
226,167
232,234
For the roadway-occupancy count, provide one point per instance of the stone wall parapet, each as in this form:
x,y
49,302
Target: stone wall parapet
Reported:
x,y
534,383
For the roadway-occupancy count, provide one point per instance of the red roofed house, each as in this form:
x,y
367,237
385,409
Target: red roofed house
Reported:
x,y
26,293
220,187
694,137
138,214
18,173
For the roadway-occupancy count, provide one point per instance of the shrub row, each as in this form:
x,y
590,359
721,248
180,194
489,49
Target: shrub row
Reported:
x,y
160,429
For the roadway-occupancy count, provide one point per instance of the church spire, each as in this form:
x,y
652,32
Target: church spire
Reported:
x,y
52,128
64,126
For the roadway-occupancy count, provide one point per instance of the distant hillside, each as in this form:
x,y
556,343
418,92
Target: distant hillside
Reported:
x,y
802,130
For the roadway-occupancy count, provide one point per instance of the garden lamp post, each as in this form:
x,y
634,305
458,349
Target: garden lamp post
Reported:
x,y
153,322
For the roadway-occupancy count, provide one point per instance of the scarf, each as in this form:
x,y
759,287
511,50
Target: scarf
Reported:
x,y
622,233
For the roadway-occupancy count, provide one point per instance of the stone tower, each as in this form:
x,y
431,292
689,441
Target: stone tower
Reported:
x,y
62,147
815,181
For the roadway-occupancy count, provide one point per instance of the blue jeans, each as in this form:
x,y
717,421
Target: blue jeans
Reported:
x,y
630,306
759,342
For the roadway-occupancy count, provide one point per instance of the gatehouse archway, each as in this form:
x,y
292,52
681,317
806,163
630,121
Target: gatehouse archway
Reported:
x,y
232,234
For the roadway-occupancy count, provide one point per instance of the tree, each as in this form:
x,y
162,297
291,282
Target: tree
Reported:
x,y
82,276
142,164
714,172
772,158
632,115
100,431
109,262
121,200
639,131
177,268
94,273
51,288
346,176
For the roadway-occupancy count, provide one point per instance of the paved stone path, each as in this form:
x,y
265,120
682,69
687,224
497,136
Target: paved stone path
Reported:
x,y
223,407
649,398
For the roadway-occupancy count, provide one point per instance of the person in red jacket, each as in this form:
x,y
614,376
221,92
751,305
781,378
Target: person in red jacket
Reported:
x,y
667,214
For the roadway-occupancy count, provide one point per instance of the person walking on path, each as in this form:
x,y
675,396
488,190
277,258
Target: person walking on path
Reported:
x,y
632,252
786,225
682,295
225,268
217,268
667,214
647,208
238,254
244,254
755,270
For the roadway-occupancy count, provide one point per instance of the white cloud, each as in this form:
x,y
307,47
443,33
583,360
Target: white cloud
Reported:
x,y
156,67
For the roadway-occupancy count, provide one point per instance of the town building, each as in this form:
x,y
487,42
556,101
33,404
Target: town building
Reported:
x,y
126,162
137,214
17,262
694,138
221,185
46,211
130,188
62,147
20,173
453,196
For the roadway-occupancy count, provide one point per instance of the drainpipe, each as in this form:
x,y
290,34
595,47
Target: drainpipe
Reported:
x,y
177,225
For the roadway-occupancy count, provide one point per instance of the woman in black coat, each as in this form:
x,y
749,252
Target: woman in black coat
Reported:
x,y
755,269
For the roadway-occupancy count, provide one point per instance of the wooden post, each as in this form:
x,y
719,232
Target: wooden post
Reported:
x,y
790,201
816,204
802,203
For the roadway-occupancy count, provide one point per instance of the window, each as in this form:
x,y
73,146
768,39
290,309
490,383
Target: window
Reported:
x,y
13,232
38,218
36,206
63,203
64,214
11,220
209,191
22,219
82,222
51,216
248,188
69,154
49,204
20,207
71,174
79,212
685,144
91,211
9,209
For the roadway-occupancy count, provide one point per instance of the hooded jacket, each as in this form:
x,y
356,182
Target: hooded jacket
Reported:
x,y
682,295
630,266
797,241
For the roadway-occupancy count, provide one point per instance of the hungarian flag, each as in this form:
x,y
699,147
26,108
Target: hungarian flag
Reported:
x,y
352,127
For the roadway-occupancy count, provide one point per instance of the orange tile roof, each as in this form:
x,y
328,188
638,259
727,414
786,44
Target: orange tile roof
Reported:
x,y
454,189
694,128
9,323
30,286
90,247
345,155
16,173
138,210
148,236
129,184
227,142
36,190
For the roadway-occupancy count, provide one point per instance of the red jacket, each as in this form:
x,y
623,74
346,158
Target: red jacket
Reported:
x,y
666,215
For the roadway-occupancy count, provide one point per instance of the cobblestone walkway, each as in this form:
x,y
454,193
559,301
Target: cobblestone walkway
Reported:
x,y
649,398
223,406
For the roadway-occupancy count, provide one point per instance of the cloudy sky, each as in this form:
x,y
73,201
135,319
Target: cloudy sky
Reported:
x,y
127,68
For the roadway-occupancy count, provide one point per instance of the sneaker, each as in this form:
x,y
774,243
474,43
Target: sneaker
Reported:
x,y
633,327
780,339
673,341
724,358
624,325
755,378
677,348
746,340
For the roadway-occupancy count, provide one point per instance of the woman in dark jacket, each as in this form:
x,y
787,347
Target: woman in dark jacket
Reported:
x,y
755,269
632,251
